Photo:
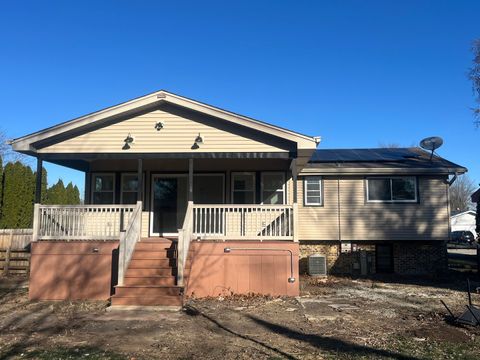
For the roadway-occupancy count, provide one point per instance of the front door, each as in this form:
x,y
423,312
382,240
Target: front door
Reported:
x,y
169,203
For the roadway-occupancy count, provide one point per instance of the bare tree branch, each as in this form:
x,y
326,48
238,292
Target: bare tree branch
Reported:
x,y
474,76
6,152
460,193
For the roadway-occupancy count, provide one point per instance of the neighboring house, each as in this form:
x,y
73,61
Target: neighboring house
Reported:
x,y
185,198
464,221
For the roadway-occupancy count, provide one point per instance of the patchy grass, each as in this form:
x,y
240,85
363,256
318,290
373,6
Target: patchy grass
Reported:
x,y
434,350
335,318
66,353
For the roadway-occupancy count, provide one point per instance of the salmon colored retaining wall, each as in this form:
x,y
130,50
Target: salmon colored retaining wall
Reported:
x,y
73,270
215,273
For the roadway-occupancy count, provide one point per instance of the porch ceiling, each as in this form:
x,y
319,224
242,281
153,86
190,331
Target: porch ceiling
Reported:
x,y
82,161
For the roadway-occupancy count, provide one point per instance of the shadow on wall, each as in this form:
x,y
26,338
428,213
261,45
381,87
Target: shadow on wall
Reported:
x,y
425,220
215,273
73,270
408,227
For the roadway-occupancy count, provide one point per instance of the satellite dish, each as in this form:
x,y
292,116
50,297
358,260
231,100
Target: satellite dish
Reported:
x,y
431,144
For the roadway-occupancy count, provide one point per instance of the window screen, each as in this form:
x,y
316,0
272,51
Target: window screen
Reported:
x,y
313,190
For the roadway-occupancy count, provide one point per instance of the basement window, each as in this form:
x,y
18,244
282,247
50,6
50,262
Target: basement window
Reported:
x,y
392,189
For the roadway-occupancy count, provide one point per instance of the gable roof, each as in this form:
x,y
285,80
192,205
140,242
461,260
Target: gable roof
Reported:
x,y
381,160
30,142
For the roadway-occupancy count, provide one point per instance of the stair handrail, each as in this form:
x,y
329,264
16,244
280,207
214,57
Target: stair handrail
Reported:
x,y
183,245
128,239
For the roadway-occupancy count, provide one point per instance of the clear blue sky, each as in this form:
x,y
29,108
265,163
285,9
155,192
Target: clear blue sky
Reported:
x,y
357,73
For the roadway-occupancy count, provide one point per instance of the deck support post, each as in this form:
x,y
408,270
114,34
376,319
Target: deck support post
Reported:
x,y
190,179
139,180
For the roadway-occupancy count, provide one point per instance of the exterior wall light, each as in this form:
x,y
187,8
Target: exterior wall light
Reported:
x,y
128,140
159,125
199,140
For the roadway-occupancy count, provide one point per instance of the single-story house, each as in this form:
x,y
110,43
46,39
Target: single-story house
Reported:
x,y
464,221
183,198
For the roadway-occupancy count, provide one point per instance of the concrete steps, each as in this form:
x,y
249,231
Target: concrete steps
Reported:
x,y
150,279
147,301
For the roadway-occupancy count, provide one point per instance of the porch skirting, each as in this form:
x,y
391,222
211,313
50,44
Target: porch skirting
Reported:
x,y
75,270
214,272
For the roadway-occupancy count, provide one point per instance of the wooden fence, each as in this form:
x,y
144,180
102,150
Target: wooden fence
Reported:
x,y
14,251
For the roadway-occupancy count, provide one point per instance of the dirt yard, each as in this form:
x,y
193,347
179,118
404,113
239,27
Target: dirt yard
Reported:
x,y
340,319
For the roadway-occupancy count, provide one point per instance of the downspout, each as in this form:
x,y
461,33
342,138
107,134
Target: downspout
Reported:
x,y
449,183
339,218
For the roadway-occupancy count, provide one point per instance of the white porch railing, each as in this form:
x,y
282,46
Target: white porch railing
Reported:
x,y
243,222
232,222
128,240
185,235
80,222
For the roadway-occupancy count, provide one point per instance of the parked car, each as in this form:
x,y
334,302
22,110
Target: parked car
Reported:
x,y
462,237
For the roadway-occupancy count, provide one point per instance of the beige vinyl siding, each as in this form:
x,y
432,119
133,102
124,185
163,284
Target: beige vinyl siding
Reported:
x,y
319,222
178,135
359,220
145,223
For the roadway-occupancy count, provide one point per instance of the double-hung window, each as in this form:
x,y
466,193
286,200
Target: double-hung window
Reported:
x,y
103,189
399,189
243,188
273,188
312,190
129,188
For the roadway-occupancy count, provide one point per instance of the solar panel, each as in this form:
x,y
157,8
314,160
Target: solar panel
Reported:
x,y
362,155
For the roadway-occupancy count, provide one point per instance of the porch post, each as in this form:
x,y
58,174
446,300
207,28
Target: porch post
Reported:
x,y
38,181
38,199
294,179
190,179
139,180
293,167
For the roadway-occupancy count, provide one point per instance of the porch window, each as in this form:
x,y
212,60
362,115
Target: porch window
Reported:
x,y
208,188
392,189
273,188
103,186
312,188
243,188
129,188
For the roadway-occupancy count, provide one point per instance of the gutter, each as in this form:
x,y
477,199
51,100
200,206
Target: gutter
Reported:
x,y
372,171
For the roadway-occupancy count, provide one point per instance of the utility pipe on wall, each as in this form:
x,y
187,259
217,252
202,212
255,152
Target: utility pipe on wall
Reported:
x,y
291,279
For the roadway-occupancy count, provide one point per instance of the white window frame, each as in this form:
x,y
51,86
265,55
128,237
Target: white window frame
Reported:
x,y
305,198
391,201
278,190
232,190
121,184
92,186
